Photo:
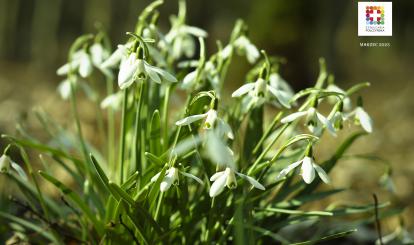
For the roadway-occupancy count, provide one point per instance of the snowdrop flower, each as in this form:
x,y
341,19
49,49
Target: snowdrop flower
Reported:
x,y
277,82
98,54
171,178
6,163
117,56
314,120
228,178
362,117
179,40
337,116
346,100
243,46
307,169
81,62
208,72
210,121
113,101
259,92
135,68
64,89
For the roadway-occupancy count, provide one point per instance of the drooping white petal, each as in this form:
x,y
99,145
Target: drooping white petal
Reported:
x,y
19,170
210,119
293,116
64,89
252,53
192,177
190,119
216,176
252,181
364,119
277,81
63,70
322,174
97,53
225,53
217,150
166,75
115,58
114,101
126,71
189,79
287,169
218,186
243,90
85,65
327,123
281,96
308,172
152,74
155,178
166,183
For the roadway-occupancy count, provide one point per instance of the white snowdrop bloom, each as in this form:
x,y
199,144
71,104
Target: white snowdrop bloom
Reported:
x,y
98,54
346,100
211,120
228,178
362,117
6,163
137,69
277,82
117,56
337,120
307,170
208,72
171,177
113,101
81,62
243,46
260,92
314,120
64,89
180,41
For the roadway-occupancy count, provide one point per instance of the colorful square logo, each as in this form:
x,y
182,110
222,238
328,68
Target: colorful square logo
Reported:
x,y
374,18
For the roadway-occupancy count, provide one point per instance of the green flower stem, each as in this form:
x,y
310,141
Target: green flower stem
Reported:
x,y
123,132
76,116
138,135
110,128
165,117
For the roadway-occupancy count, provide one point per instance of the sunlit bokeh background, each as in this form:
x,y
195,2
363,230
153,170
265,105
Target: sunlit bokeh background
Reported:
x,y
35,36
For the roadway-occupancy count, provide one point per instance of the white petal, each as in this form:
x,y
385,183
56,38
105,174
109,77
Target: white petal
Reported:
x,y
281,96
189,79
64,89
126,72
97,53
226,129
218,186
190,119
153,75
293,116
85,65
216,149
287,169
364,119
243,89
115,58
252,181
322,174
192,177
252,53
225,53
308,172
326,122
63,70
19,170
166,183
155,178
215,176
166,75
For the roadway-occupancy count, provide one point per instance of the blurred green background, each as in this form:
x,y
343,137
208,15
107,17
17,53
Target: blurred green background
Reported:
x,y
35,36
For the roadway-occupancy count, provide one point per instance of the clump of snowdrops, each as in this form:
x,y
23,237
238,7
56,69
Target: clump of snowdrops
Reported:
x,y
184,160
